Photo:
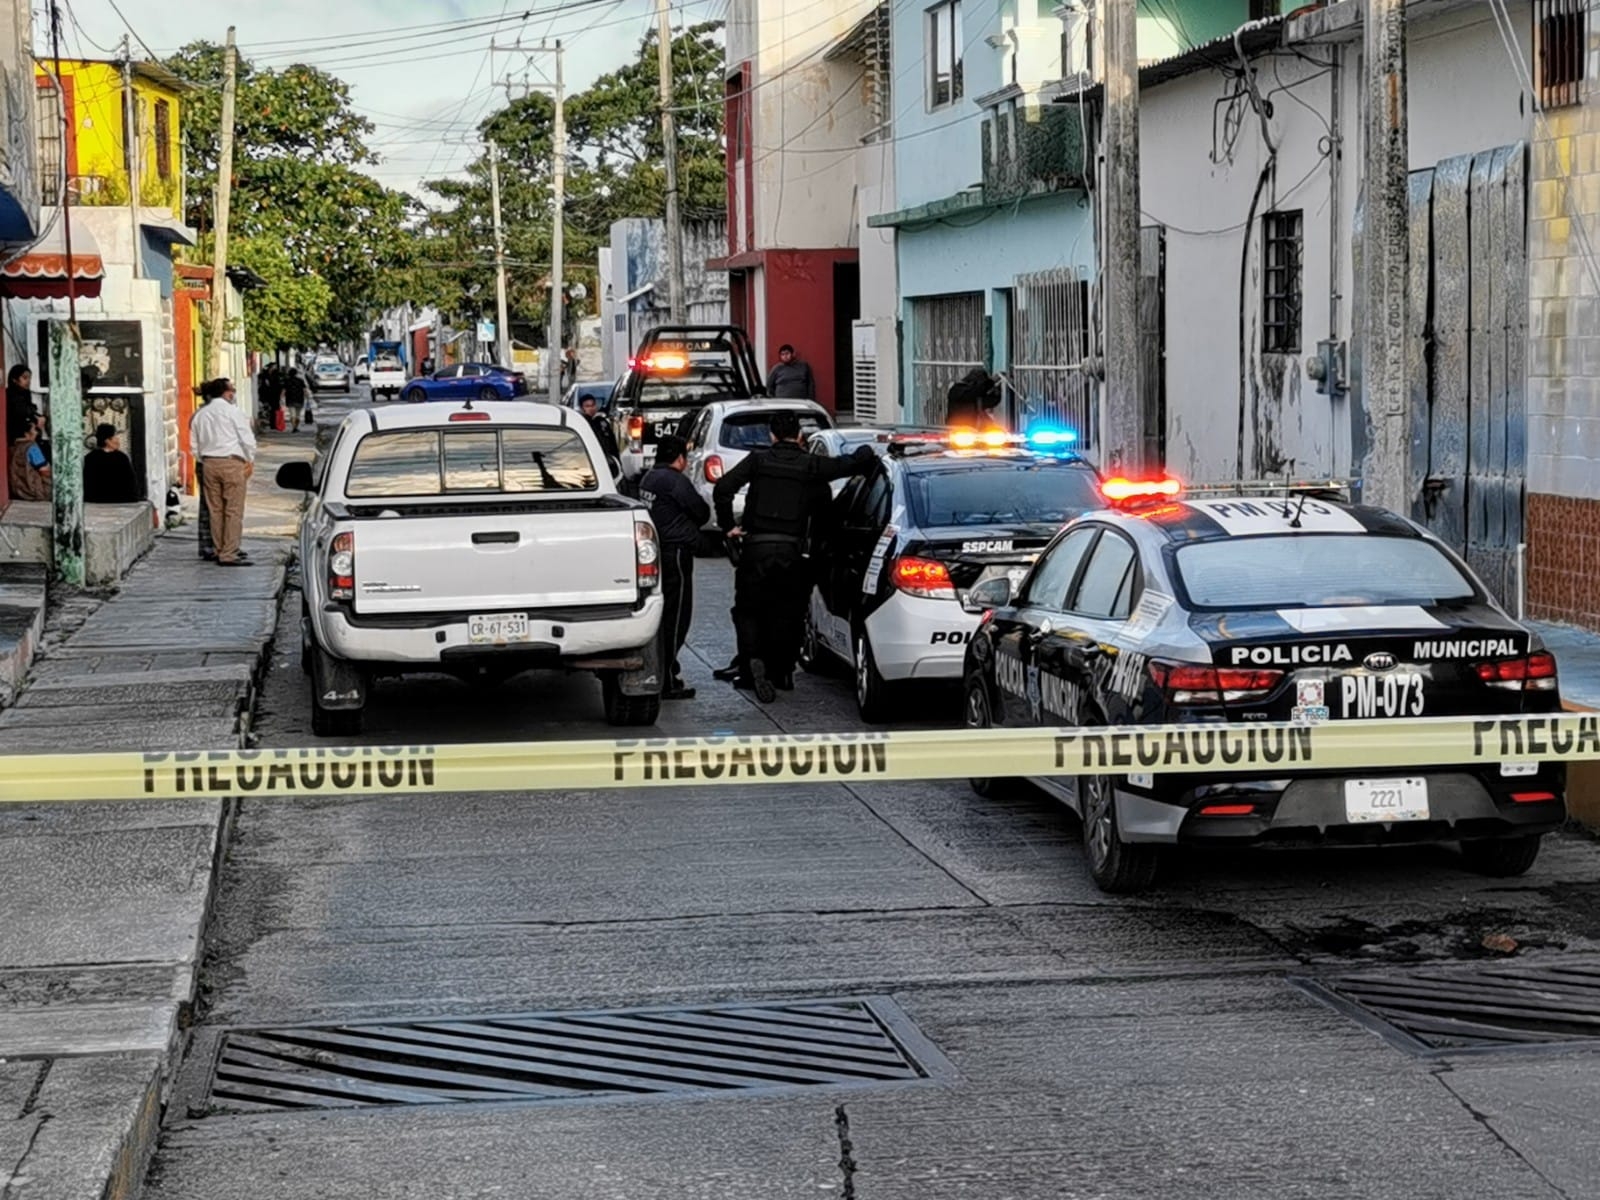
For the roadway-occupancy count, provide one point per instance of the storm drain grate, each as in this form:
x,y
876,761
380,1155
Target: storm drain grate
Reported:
x,y
1456,1008
556,1056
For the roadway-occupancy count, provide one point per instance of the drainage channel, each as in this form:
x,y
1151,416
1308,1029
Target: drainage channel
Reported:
x,y
563,1056
1450,1009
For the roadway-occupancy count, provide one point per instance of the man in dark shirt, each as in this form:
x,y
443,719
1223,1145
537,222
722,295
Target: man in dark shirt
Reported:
x,y
108,476
773,581
590,408
679,513
790,378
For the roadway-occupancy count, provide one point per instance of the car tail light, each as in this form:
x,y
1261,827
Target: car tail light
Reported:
x,y
923,577
647,556
342,567
1189,683
713,467
1535,673
636,431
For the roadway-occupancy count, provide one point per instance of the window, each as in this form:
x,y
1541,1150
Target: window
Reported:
x,y
1047,587
1280,295
872,508
1563,29
163,140
753,431
414,463
733,116
1031,493
944,54
50,149
1106,590
1314,571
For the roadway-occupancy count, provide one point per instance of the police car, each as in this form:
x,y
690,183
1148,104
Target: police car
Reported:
x,y
942,511
1262,603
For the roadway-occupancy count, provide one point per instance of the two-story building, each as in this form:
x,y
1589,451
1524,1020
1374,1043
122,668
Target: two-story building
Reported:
x,y
795,118
19,182
125,211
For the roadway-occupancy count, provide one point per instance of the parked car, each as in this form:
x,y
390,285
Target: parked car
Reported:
x,y
475,541
387,377
467,381
724,432
329,375
362,371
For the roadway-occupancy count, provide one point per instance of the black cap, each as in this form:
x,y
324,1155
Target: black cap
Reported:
x,y
103,434
669,449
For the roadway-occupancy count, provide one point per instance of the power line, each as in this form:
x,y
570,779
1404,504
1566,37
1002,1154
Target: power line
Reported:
x,y
144,44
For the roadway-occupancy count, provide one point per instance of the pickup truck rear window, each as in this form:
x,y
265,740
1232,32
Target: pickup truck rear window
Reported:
x,y
431,462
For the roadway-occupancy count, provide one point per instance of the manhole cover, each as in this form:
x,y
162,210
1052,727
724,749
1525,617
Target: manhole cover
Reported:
x,y
1450,1009
555,1056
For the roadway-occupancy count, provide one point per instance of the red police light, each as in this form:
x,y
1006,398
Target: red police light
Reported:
x,y
1122,491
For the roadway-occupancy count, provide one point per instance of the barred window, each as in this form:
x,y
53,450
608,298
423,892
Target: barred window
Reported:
x,y
1280,294
1563,28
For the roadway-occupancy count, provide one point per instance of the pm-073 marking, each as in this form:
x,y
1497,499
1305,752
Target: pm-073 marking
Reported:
x,y
1397,695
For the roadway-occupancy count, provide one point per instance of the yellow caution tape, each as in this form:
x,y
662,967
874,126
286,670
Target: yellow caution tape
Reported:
x,y
800,758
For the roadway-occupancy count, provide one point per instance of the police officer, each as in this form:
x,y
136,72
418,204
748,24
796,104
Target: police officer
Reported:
x,y
678,513
772,583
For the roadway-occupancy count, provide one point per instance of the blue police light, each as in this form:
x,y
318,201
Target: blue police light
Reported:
x,y
1051,439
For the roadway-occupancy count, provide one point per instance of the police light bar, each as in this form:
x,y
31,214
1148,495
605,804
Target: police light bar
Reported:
x,y
1272,487
660,362
1120,491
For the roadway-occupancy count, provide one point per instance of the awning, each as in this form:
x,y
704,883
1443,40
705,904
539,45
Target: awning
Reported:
x,y
41,273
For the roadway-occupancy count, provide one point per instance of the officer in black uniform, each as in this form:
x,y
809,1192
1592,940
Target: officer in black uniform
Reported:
x,y
678,512
772,582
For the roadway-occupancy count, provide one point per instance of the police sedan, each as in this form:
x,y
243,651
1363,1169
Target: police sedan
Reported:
x,y
1266,604
942,512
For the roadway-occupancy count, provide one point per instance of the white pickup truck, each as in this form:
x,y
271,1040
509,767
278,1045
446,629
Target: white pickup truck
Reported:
x,y
386,377
477,542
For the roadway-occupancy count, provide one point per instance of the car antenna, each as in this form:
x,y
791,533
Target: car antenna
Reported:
x,y
1294,523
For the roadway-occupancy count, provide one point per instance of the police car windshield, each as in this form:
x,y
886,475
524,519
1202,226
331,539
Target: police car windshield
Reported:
x,y
998,492
1317,571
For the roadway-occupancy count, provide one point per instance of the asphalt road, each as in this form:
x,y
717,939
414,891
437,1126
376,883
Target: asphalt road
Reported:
x,y
1097,1047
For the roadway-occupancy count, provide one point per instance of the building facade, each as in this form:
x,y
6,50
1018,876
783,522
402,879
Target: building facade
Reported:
x,y
795,119
19,180
633,284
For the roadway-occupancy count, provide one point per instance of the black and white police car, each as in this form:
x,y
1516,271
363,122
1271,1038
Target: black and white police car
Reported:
x,y
1250,606
942,512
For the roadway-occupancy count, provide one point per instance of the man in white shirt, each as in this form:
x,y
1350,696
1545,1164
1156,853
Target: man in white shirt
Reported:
x,y
225,446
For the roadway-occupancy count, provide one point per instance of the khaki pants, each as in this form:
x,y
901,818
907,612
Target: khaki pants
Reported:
x,y
224,482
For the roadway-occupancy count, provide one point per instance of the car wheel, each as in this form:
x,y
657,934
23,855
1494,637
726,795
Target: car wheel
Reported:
x,y
414,395
487,395
978,716
872,690
814,657
1117,866
1502,857
622,709
305,636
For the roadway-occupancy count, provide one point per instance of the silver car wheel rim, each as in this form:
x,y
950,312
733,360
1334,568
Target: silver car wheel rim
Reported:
x,y
1097,819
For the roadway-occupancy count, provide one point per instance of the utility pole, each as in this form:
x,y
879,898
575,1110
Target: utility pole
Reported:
x,y
502,329
1385,253
1122,413
135,159
65,402
558,175
669,145
219,257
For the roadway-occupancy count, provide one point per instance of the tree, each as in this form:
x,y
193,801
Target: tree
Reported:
x,y
292,310
614,171
299,147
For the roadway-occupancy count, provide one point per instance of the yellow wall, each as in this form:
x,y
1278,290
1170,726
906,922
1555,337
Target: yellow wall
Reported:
x,y
100,129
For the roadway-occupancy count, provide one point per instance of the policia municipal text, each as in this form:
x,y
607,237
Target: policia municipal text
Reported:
x,y
788,492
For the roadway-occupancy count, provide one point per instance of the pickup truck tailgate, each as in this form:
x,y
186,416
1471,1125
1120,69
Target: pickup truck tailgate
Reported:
x,y
495,561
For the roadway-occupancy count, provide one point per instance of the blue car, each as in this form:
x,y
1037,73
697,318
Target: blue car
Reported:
x,y
467,381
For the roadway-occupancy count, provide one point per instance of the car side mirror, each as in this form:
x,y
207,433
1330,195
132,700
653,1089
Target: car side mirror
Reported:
x,y
991,593
296,477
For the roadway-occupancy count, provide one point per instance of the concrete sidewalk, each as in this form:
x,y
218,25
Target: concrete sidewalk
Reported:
x,y
104,907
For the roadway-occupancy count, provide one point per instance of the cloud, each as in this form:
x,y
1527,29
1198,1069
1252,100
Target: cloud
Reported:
x,y
426,93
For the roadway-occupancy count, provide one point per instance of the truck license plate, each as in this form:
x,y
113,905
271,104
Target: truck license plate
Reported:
x,y
1369,800
498,629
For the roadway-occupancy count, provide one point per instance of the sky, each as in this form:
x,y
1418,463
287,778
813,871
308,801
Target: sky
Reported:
x,y
424,89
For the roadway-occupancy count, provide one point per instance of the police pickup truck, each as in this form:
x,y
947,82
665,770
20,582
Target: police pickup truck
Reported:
x,y
473,541
942,512
1263,603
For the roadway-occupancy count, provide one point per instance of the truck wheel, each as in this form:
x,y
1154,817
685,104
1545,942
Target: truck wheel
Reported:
x,y
305,636
1502,857
1118,867
333,722
622,709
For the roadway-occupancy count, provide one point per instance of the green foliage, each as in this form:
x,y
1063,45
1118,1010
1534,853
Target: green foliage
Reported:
x,y
297,185
614,170
293,309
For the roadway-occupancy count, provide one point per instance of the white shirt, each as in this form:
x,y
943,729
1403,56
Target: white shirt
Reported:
x,y
220,430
